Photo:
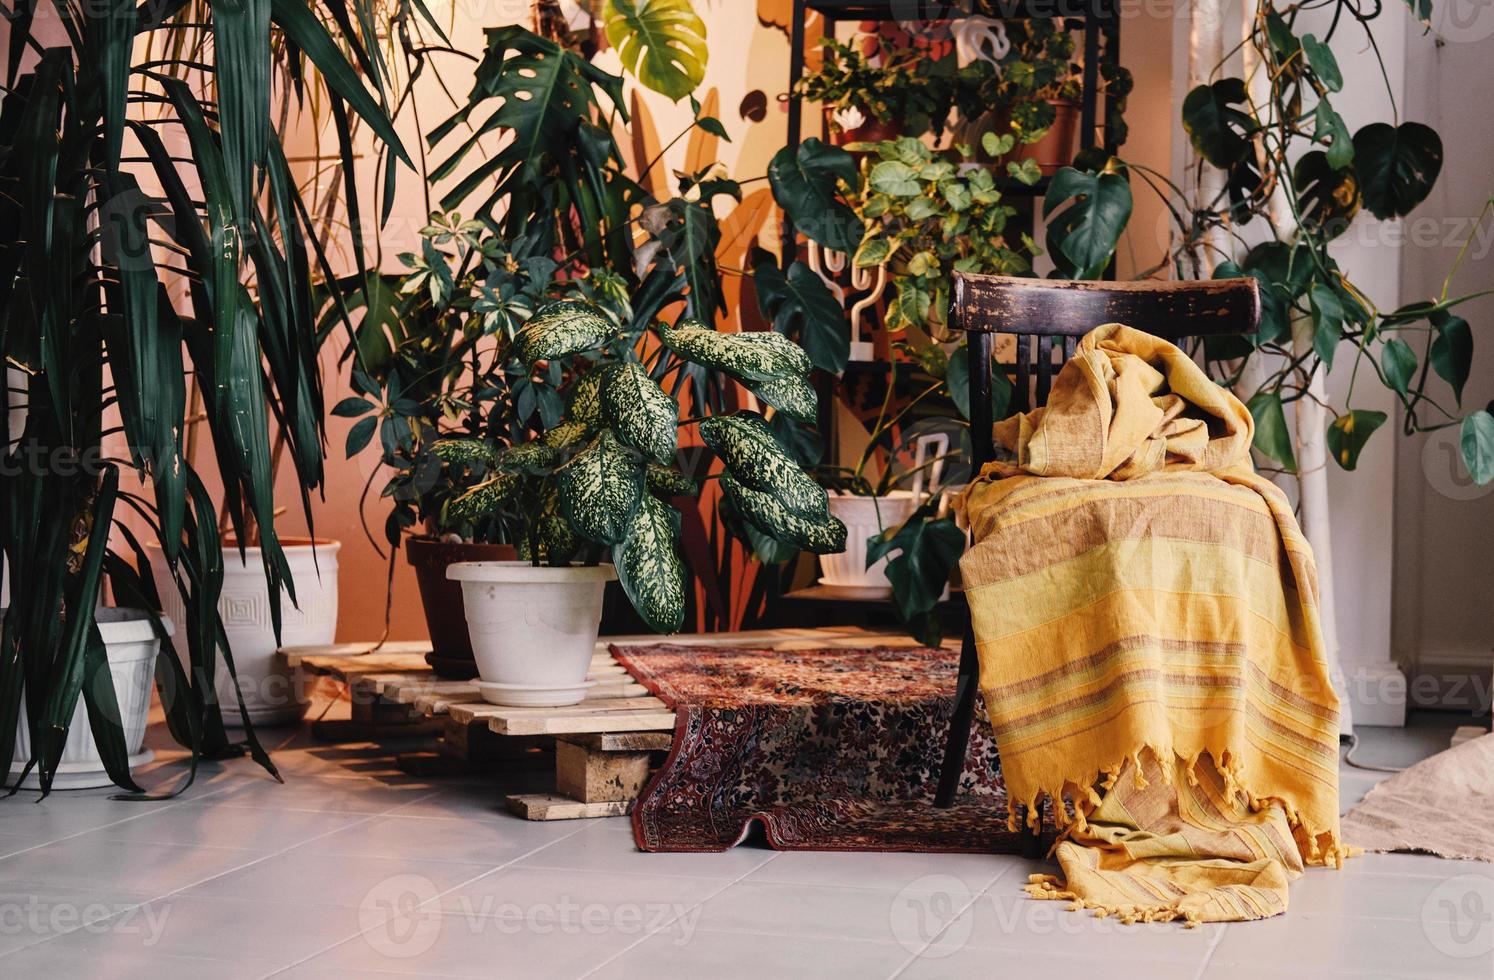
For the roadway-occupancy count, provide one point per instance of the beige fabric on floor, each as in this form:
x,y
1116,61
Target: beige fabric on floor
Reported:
x,y
1443,805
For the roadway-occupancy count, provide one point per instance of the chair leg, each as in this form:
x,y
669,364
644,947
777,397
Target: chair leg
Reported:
x,y
959,721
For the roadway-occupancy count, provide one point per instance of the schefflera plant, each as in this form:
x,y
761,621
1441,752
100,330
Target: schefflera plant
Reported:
x,y
602,480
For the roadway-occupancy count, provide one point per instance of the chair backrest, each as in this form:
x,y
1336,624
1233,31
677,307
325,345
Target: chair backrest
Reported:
x,y
1048,316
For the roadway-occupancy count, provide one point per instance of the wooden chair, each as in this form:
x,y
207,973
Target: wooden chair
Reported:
x,y
1051,315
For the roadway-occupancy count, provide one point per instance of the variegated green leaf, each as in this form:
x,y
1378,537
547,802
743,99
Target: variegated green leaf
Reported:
x,y
650,568
639,411
768,515
756,356
561,328
666,481
533,457
600,489
566,437
483,499
583,402
471,452
794,397
558,540
756,459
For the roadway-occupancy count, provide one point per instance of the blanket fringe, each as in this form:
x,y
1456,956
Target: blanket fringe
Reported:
x,y
1077,797
1050,887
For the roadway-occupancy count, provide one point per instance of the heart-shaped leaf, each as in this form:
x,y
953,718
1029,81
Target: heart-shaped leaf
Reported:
x,y
1347,435
1272,437
1398,361
1452,350
1397,166
1477,444
1217,129
1083,237
807,185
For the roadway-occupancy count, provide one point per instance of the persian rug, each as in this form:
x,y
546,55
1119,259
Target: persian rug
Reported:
x,y
1443,806
1146,611
827,748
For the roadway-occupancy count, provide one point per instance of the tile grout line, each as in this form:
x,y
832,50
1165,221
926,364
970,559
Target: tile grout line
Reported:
x,y
167,805
918,954
439,895
698,905
193,884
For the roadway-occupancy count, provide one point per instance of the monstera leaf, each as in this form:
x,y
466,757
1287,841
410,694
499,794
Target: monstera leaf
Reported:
x,y
759,462
650,568
793,396
1083,236
1397,166
662,42
560,329
800,303
601,488
639,411
1217,129
753,356
807,186
927,552
765,512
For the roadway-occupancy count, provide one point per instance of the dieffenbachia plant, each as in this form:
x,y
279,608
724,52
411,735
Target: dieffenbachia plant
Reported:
x,y
602,480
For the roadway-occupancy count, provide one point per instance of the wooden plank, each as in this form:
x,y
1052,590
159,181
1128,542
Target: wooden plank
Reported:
x,y
619,721
599,777
547,806
372,663
407,689
477,710
621,741
293,655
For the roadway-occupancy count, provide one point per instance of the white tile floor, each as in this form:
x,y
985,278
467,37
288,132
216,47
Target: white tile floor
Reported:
x,y
353,870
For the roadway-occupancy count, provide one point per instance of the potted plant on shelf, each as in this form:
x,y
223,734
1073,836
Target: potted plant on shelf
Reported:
x,y
888,90
599,483
129,269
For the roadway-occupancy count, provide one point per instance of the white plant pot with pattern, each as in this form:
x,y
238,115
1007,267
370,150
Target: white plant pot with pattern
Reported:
x,y
533,628
130,646
864,518
273,693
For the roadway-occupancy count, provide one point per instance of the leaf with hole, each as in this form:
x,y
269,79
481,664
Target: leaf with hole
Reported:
x,y
661,42
807,185
1397,166
1083,236
800,304
1217,129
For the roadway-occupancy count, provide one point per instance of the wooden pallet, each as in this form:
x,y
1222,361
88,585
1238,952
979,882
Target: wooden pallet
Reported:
x,y
366,670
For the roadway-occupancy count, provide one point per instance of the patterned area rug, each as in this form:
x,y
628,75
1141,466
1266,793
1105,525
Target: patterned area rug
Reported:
x,y
829,748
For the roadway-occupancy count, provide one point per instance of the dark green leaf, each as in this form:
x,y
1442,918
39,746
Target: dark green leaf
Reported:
x,y
1086,232
1348,433
801,304
957,378
351,408
1327,320
927,552
1452,350
1217,129
1330,127
807,186
1323,63
1272,437
1398,361
360,435
1397,166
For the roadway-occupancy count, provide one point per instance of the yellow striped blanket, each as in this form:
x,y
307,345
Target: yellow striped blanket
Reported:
x,y
1146,613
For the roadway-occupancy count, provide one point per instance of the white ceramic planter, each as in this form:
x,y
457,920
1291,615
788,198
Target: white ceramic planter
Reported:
x,y
533,628
274,694
131,646
864,518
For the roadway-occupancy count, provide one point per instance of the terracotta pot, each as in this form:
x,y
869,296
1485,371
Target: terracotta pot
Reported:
x,y
445,618
1057,147
872,131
